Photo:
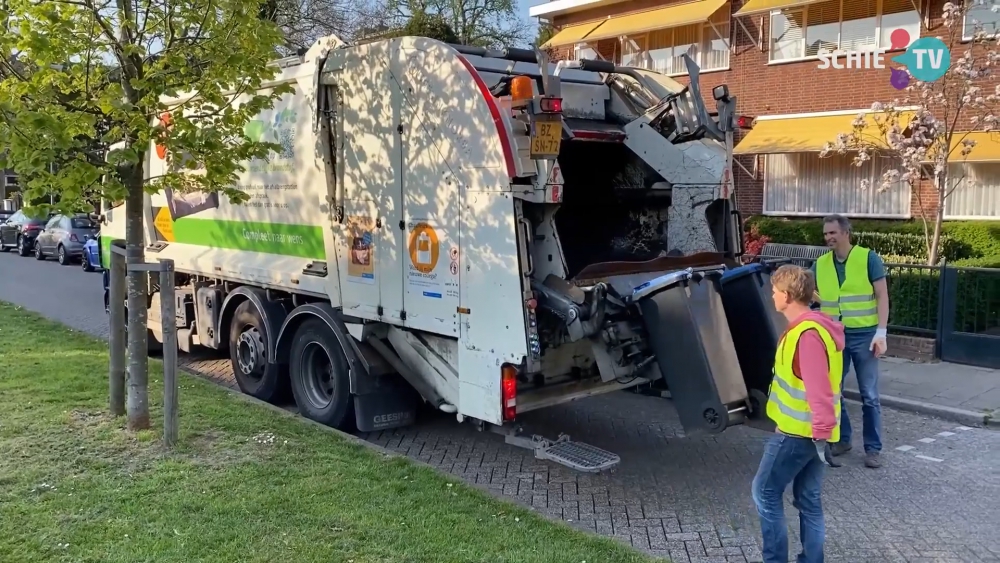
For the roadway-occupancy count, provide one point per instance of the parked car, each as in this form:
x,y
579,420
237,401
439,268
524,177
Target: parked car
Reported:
x,y
20,232
91,259
64,237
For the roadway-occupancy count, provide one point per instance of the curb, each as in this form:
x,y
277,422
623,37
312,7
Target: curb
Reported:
x,y
953,414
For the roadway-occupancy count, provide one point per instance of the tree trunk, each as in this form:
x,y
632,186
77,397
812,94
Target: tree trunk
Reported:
x,y
137,404
933,250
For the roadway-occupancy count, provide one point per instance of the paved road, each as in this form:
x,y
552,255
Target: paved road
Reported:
x,y
686,498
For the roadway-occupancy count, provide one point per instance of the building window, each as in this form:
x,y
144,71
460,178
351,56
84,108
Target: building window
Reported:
x,y
662,50
807,185
634,52
984,14
585,51
843,25
977,191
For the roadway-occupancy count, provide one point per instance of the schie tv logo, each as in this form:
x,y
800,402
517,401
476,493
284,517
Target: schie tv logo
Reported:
x,y
927,59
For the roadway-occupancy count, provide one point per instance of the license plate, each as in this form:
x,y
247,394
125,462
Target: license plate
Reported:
x,y
546,137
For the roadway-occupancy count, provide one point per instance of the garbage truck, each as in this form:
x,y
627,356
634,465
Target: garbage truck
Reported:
x,y
484,231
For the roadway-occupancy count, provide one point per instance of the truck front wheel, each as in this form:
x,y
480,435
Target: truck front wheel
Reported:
x,y
319,375
248,353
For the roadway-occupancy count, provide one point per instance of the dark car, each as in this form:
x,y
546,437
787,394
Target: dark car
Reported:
x,y
64,237
20,232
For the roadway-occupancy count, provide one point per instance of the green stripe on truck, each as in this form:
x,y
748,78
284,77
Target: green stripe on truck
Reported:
x,y
303,241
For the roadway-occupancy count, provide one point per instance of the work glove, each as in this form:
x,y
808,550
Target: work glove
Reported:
x,y
824,453
878,345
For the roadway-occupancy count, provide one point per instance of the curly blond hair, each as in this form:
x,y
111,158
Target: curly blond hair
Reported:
x,y
797,282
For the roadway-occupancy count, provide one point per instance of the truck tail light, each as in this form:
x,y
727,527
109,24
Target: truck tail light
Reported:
x,y
550,105
508,391
744,122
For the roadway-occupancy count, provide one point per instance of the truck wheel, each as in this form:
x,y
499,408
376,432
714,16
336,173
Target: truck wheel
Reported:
x,y
319,375
248,354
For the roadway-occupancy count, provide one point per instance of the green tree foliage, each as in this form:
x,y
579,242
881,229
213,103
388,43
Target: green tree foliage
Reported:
x,y
482,23
83,75
545,32
434,26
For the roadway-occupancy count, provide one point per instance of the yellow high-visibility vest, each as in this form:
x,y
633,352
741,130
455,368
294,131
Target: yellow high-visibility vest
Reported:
x,y
786,404
854,302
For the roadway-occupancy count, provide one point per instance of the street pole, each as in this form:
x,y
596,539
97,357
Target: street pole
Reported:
x,y
117,320
168,309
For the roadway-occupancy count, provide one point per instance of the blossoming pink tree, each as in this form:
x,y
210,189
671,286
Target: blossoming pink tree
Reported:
x,y
935,124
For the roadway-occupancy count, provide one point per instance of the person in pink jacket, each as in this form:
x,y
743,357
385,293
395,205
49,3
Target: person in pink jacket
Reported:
x,y
804,403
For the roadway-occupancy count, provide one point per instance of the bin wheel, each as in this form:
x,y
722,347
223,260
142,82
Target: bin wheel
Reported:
x,y
712,419
758,400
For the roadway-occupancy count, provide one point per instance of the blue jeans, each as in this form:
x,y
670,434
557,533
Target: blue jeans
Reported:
x,y
866,368
788,459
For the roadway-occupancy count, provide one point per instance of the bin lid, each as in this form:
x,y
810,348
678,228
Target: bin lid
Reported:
x,y
737,273
656,285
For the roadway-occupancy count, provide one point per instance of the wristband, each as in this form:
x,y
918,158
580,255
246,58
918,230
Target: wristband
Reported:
x,y
880,333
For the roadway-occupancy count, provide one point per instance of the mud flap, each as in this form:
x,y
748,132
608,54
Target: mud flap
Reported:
x,y
689,335
392,404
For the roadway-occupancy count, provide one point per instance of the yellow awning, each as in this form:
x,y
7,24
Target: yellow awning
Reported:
x,y
663,18
572,34
765,6
987,147
802,134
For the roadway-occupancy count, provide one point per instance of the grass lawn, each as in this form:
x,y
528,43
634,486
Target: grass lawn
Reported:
x,y
246,483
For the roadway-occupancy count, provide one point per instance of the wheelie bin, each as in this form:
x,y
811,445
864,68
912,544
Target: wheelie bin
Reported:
x,y
689,336
755,326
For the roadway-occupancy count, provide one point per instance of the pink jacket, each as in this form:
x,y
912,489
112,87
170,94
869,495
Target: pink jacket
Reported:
x,y
810,365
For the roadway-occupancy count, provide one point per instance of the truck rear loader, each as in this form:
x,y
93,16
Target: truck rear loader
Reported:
x,y
484,231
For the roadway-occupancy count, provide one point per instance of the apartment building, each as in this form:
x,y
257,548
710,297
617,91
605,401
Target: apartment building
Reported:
x,y
767,51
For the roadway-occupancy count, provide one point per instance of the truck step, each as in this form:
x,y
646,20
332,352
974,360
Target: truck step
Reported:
x,y
562,450
577,455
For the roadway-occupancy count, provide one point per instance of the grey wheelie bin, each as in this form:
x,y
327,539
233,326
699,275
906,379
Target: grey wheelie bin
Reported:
x,y
689,336
755,326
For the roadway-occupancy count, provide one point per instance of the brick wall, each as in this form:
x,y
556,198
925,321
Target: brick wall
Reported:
x,y
782,88
912,348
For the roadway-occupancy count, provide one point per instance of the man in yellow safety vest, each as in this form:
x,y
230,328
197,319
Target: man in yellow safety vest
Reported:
x,y
852,289
804,403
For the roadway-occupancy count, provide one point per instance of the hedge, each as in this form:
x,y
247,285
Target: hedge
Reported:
x,y
914,291
966,239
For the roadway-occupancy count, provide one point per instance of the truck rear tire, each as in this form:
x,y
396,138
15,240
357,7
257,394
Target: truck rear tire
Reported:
x,y
248,353
319,376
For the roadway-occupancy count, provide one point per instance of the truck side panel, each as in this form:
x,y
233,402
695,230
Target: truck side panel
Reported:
x,y
370,251
492,328
431,207
274,236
